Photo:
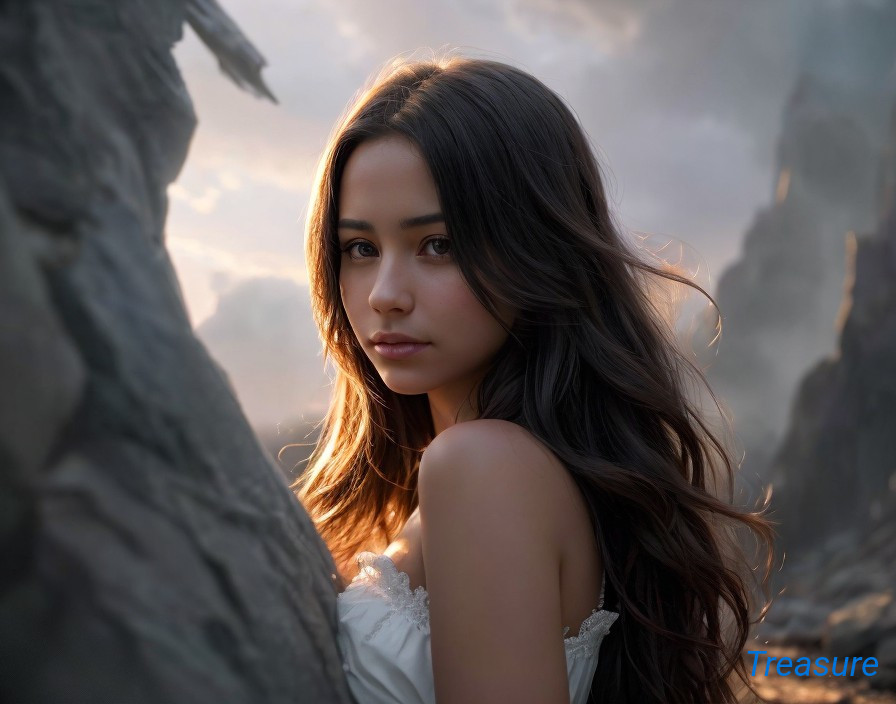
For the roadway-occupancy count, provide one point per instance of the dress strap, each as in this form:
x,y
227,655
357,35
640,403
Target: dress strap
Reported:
x,y
603,584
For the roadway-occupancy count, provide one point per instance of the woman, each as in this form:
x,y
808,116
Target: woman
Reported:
x,y
510,447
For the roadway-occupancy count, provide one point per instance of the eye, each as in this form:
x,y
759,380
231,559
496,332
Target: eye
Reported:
x,y
441,247
359,243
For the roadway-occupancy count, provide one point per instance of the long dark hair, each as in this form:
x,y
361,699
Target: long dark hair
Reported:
x,y
590,367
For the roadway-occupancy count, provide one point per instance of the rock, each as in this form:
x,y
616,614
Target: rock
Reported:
x,y
152,551
237,57
886,650
841,437
794,620
853,580
780,298
885,679
853,629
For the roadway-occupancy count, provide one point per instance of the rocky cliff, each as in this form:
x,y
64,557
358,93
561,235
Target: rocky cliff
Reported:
x,y
780,299
835,488
152,551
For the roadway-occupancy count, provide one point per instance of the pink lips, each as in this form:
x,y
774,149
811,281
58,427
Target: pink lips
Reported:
x,y
400,350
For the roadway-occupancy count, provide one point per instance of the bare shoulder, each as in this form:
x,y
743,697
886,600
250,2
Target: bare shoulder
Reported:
x,y
498,458
491,439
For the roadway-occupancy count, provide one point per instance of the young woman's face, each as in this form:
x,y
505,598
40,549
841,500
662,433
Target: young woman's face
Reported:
x,y
399,276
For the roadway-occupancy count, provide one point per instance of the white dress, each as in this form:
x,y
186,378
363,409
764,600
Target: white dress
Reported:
x,y
383,635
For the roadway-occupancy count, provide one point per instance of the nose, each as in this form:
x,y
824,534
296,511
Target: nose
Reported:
x,y
392,289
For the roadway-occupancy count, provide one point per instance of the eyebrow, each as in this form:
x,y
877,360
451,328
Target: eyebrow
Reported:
x,y
405,224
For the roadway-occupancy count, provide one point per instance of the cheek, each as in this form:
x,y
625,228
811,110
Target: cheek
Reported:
x,y
468,316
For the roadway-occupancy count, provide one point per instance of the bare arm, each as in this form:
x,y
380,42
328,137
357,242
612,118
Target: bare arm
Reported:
x,y
492,557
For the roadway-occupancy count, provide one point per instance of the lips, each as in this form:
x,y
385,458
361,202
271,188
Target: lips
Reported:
x,y
399,350
391,338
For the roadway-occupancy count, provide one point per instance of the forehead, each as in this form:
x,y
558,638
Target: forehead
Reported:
x,y
386,174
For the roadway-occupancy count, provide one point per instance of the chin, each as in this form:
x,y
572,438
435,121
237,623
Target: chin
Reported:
x,y
405,387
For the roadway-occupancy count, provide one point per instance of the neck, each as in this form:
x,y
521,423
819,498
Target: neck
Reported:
x,y
451,406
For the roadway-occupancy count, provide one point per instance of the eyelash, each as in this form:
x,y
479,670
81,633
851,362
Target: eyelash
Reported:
x,y
347,248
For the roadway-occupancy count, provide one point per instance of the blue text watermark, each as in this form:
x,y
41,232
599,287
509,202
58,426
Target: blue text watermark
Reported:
x,y
839,667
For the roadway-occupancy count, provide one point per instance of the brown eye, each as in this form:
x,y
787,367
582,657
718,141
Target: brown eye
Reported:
x,y
441,246
364,254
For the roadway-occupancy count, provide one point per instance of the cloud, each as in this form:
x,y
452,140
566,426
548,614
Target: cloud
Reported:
x,y
253,230
205,271
612,24
263,335
203,204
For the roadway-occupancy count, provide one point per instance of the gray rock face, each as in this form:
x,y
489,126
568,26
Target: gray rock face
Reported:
x,y
152,551
807,360
780,299
837,459
837,503
840,599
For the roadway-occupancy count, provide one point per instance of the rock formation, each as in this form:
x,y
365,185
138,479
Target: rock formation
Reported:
x,y
836,493
152,551
807,358
780,299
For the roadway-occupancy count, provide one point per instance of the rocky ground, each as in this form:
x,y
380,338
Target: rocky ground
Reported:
x,y
837,600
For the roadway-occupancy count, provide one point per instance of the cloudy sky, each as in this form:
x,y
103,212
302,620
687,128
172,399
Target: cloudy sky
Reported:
x,y
682,99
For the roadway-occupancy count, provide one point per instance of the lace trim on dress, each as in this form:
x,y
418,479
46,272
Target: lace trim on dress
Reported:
x,y
380,572
593,628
